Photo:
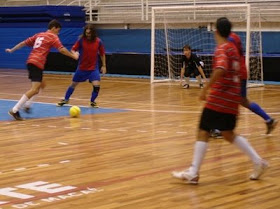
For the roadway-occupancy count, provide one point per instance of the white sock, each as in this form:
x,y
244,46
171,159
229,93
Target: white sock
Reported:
x,y
20,103
200,149
245,147
29,102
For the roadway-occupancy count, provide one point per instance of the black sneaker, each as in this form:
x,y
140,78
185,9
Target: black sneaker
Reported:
x,y
271,125
27,110
201,85
62,102
186,86
94,105
15,115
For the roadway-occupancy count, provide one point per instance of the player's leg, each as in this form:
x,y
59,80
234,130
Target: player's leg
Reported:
x,y
186,82
198,78
68,94
79,76
35,74
191,174
28,104
243,145
95,81
254,107
14,112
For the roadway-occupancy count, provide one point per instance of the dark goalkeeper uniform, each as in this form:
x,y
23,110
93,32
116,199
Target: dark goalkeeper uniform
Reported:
x,y
191,65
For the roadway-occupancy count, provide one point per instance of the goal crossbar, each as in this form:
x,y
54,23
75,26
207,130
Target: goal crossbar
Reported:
x,y
170,13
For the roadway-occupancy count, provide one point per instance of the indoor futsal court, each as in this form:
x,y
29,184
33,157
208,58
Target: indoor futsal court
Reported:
x,y
122,154
152,54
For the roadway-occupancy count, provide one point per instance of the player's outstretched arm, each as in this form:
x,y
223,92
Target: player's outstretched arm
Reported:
x,y
65,51
16,47
201,72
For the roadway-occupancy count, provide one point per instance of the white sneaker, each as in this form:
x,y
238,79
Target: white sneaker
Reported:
x,y
186,176
259,169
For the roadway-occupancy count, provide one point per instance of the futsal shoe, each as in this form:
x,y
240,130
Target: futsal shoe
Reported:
x,y
186,176
62,102
94,104
216,134
271,125
186,86
27,110
15,115
259,169
201,85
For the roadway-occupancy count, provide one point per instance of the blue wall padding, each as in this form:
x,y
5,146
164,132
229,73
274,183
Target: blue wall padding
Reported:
x,y
139,41
41,11
136,41
121,40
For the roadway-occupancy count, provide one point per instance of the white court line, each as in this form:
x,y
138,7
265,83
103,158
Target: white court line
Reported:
x,y
161,131
62,143
65,161
43,165
142,131
19,169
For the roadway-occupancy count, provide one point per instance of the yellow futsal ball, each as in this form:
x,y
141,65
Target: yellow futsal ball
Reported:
x,y
74,111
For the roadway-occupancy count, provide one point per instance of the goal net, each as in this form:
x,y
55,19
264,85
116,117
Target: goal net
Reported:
x,y
176,26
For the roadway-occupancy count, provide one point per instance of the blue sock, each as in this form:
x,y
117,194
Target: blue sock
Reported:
x,y
69,92
94,93
254,107
93,96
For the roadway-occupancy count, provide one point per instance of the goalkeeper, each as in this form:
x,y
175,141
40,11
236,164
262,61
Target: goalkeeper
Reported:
x,y
191,65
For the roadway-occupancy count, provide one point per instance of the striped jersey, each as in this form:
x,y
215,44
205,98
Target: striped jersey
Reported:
x,y
89,51
42,44
224,95
235,39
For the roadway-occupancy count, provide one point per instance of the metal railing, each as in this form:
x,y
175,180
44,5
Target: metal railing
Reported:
x,y
139,11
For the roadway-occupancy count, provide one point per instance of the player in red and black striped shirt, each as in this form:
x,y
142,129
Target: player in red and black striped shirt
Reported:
x,y
221,107
41,44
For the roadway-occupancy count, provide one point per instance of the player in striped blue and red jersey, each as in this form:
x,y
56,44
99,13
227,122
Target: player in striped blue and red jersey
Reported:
x,y
41,44
221,106
254,107
90,47
245,102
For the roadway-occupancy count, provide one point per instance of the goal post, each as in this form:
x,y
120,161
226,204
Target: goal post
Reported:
x,y
172,27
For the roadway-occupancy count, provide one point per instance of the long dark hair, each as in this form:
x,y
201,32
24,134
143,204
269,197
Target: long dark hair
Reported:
x,y
92,31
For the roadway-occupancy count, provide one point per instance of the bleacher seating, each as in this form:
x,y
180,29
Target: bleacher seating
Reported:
x,y
139,11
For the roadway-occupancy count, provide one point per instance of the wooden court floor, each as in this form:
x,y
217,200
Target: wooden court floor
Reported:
x,y
123,160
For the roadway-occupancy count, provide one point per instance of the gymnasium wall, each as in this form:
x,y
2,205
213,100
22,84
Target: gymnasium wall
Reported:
x,y
19,23
127,50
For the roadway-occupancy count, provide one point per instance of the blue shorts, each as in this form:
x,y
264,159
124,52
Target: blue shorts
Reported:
x,y
83,75
243,89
